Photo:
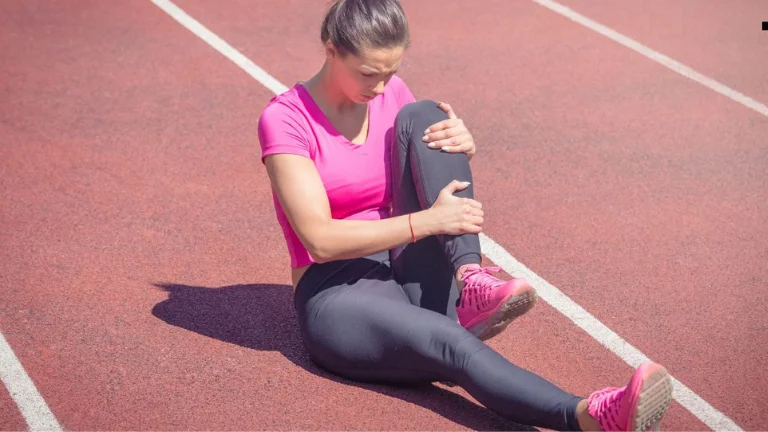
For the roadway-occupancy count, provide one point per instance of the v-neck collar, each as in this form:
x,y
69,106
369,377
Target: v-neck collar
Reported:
x,y
323,119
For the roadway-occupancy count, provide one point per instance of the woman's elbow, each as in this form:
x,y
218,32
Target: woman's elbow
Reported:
x,y
318,251
318,242
319,256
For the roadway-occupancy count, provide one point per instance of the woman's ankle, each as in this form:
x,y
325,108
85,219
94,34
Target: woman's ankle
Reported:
x,y
460,271
465,261
585,419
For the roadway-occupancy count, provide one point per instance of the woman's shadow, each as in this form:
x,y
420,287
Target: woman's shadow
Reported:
x,y
261,317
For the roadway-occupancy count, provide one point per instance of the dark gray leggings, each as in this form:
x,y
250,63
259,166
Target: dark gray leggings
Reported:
x,y
391,317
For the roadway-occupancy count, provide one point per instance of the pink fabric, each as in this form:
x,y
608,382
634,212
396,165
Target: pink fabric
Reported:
x,y
356,177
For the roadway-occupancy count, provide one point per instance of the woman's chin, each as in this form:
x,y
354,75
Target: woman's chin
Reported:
x,y
364,99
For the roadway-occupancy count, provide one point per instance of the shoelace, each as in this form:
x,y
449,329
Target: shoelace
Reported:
x,y
607,406
479,284
481,276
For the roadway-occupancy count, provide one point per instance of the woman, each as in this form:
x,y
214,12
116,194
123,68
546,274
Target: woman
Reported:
x,y
373,192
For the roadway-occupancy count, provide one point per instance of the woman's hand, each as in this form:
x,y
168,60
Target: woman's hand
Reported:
x,y
450,135
455,215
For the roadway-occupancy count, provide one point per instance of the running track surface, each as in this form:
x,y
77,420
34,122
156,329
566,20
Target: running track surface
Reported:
x,y
143,275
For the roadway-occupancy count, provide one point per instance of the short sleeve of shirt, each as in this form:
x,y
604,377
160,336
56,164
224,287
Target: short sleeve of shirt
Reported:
x,y
283,130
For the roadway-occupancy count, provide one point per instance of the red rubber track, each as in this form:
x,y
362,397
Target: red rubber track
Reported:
x,y
724,42
10,417
129,160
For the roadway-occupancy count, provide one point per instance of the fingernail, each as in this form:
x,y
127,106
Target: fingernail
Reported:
x,y
432,145
446,149
426,131
466,183
425,138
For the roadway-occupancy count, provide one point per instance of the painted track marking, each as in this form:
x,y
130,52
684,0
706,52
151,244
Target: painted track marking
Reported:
x,y
655,56
31,404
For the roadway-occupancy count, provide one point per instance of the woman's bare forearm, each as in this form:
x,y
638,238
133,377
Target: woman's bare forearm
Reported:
x,y
345,239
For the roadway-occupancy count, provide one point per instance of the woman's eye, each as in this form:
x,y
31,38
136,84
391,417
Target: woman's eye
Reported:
x,y
368,75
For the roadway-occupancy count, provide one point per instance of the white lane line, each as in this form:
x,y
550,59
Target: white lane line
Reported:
x,y
221,46
23,391
655,56
549,293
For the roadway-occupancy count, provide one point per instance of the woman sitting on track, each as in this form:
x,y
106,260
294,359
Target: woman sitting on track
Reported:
x,y
382,233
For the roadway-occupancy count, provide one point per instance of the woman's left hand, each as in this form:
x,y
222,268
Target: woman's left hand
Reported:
x,y
450,135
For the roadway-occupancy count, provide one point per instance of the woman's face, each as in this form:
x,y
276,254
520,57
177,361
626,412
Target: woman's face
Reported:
x,y
363,77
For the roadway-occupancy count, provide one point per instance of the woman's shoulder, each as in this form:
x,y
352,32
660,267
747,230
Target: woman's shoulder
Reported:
x,y
288,110
287,103
283,127
396,83
397,87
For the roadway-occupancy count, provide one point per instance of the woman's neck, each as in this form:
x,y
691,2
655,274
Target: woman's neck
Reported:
x,y
327,94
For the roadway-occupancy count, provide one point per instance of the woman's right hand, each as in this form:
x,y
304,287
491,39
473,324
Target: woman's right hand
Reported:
x,y
455,215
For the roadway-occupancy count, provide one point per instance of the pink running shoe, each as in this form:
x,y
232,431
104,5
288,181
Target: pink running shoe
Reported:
x,y
489,304
639,406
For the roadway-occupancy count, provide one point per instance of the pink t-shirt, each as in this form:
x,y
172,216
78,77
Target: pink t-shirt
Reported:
x,y
356,177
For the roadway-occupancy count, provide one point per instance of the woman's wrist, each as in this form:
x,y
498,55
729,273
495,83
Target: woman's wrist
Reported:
x,y
422,224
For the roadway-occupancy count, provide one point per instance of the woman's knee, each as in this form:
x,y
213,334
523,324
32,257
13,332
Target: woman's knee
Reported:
x,y
416,117
451,345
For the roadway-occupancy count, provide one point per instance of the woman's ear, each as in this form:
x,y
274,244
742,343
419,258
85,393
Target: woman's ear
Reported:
x,y
330,50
